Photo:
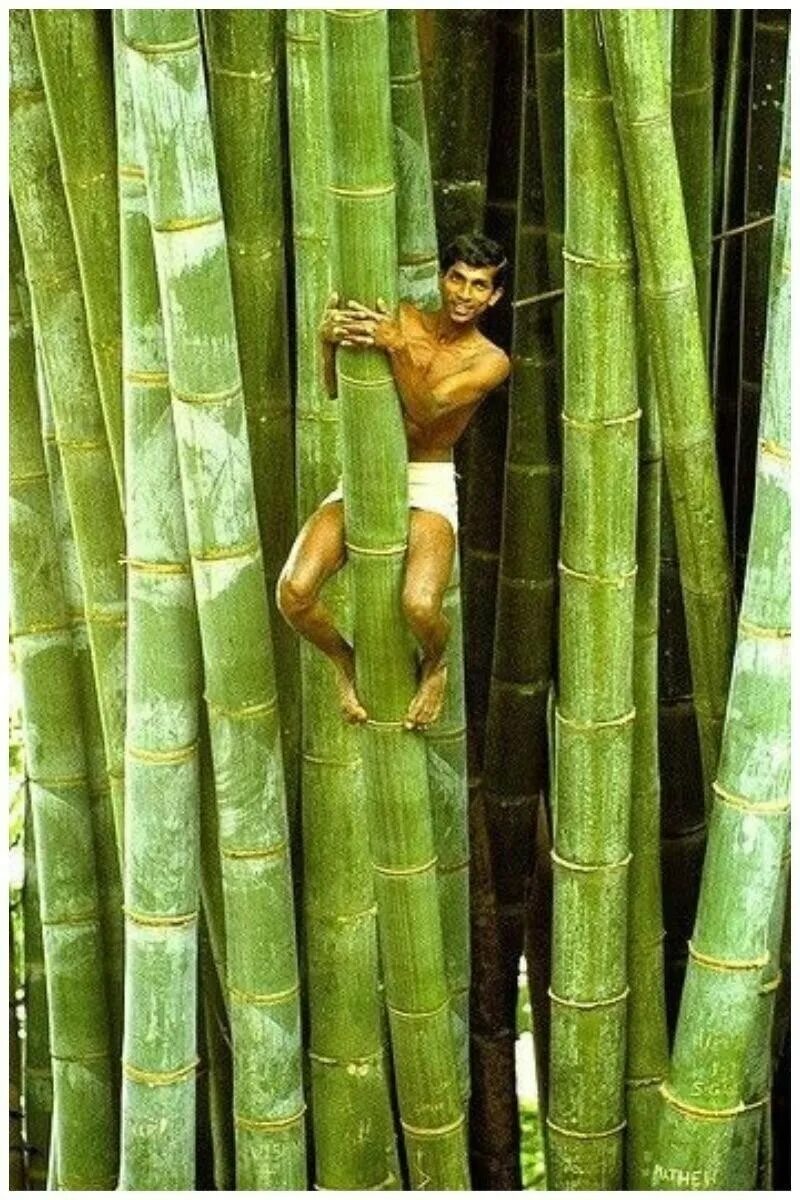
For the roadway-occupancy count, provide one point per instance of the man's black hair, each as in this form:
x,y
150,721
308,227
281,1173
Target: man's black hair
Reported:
x,y
476,251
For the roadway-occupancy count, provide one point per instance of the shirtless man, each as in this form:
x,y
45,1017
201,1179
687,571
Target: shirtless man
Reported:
x,y
443,368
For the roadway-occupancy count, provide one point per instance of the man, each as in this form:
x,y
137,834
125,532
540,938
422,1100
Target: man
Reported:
x,y
443,368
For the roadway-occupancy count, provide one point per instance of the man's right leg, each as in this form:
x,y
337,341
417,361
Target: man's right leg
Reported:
x,y
318,552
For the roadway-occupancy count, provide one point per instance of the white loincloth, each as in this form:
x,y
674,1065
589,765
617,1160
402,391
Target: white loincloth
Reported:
x,y
431,487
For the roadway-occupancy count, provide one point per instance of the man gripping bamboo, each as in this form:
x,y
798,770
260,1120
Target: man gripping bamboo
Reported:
x,y
443,368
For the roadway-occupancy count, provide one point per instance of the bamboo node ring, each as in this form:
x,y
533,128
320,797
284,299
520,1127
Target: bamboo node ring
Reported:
x,y
644,1081
384,726
154,49
710,1114
40,627
89,1056
180,754
151,379
623,265
401,871
377,552
437,1131
601,422
85,918
155,568
186,224
200,398
363,1061
131,171
215,554
323,760
159,1078
386,381
161,921
588,868
365,193
97,616
263,998
23,480
772,985
588,1005
769,808
247,712
764,631
252,1125
586,726
727,964
581,1136
244,852
611,580
419,1016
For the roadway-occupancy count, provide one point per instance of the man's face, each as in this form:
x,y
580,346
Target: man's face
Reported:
x,y
468,291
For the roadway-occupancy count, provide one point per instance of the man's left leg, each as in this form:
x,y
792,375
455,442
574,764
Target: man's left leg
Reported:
x,y
431,548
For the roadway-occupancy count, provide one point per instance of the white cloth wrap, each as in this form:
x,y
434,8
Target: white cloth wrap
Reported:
x,y
431,487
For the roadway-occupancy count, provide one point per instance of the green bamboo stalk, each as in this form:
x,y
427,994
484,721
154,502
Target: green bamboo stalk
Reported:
x,y
647,1043
548,26
210,423
770,40
73,954
163,686
56,293
219,1062
707,1094
77,74
351,1112
594,714
37,1071
401,832
457,52
634,41
242,56
445,743
16,1145
515,761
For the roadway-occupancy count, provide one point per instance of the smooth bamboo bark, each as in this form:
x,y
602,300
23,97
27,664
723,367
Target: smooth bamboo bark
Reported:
x,y
633,43
163,687
54,755
352,1117
37,1071
594,714
77,74
702,1142
446,743
242,54
54,277
376,515
222,529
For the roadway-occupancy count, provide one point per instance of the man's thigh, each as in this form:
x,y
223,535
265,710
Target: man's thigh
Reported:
x,y
431,549
319,548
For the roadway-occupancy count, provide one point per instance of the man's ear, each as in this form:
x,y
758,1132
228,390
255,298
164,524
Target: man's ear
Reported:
x,y
495,296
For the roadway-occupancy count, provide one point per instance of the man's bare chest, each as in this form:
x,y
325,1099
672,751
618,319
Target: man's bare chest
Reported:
x,y
438,360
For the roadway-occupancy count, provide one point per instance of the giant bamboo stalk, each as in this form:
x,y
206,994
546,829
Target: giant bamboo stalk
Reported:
x,y
73,952
55,284
707,1093
401,832
640,90
163,684
213,451
445,743
548,28
242,53
76,70
37,1070
353,1124
594,714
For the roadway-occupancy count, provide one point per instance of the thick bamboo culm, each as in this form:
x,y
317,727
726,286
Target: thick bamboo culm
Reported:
x,y
37,1079
708,1137
222,528
63,338
634,51
376,516
162,790
76,66
446,742
243,51
85,1122
350,1103
594,714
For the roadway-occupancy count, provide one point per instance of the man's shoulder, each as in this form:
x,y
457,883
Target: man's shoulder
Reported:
x,y
492,356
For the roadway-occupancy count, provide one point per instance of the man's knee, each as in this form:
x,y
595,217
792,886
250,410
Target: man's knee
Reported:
x,y
421,607
293,595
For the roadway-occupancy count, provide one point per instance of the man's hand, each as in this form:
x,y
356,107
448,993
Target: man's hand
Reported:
x,y
365,327
332,328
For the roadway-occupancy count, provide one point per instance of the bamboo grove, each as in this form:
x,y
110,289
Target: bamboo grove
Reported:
x,y
254,947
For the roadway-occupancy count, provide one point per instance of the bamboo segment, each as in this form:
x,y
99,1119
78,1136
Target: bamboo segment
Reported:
x,y
594,714
770,39
242,53
350,1096
37,1070
162,775
548,26
79,1036
77,76
446,743
401,832
219,1062
633,41
210,423
61,323
708,1096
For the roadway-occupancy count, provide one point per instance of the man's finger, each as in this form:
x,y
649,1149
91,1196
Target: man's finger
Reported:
x,y
362,311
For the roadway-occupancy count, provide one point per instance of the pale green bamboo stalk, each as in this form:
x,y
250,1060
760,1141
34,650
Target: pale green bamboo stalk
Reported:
x,y
163,687
634,51
57,297
242,55
37,1071
213,451
594,713
77,74
376,514
79,1035
352,1117
702,1143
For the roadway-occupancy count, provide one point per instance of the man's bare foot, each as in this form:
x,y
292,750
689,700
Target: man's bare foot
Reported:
x,y
353,711
427,704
